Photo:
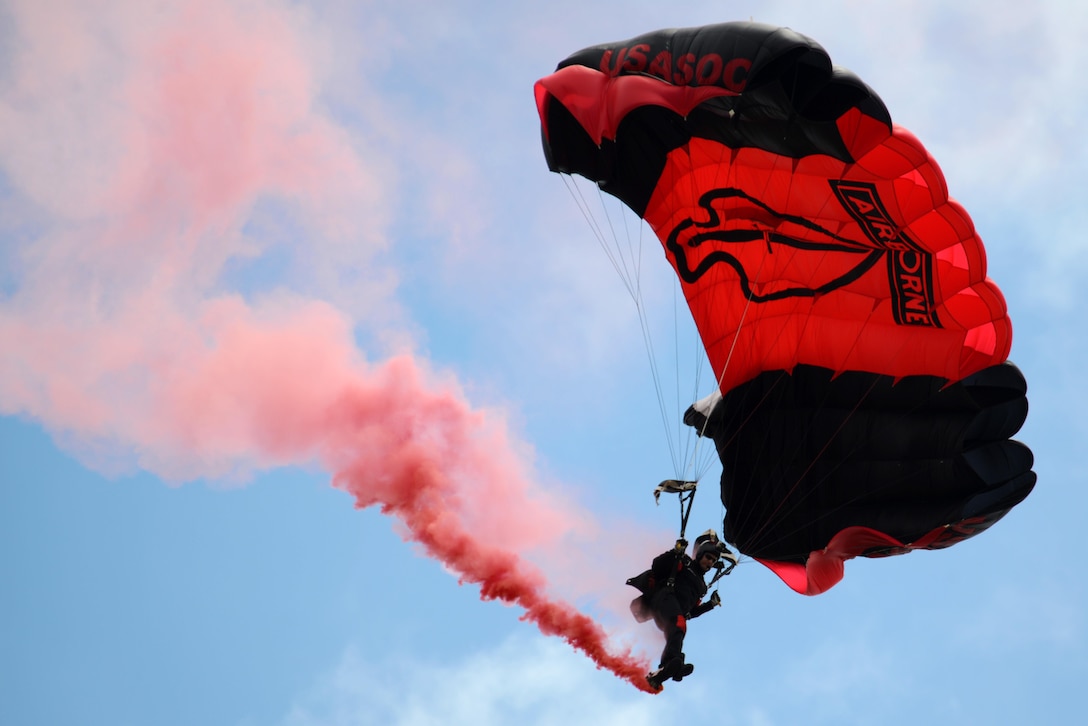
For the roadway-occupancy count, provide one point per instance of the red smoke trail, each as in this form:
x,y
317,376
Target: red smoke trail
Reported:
x,y
178,120
422,464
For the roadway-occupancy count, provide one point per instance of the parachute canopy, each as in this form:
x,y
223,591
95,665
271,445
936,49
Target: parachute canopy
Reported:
x,y
841,296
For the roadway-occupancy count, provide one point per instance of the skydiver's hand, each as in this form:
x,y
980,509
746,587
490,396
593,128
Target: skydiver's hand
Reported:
x,y
715,599
681,544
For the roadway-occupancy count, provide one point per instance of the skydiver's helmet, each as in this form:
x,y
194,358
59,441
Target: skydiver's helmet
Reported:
x,y
705,547
708,542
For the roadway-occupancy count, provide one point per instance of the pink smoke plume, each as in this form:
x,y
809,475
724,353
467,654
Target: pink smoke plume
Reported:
x,y
120,334
423,462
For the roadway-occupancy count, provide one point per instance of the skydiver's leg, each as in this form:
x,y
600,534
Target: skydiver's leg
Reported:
x,y
674,641
671,621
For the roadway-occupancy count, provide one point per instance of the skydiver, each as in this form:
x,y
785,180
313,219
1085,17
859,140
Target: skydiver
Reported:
x,y
674,587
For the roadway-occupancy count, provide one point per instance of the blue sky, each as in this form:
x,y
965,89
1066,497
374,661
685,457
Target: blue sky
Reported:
x,y
157,578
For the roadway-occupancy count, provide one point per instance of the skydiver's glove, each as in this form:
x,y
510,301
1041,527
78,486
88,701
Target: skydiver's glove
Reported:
x,y
715,599
681,544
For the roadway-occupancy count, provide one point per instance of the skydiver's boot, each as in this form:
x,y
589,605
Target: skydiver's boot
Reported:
x,y
663,673
684,672
678,667
675,669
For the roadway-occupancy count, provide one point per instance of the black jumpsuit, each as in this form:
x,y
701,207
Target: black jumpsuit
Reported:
x,y
678,600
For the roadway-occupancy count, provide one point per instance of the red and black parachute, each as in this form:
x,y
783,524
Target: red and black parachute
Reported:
x,y
842,297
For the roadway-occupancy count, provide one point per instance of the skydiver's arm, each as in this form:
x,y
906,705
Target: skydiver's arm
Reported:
x,y
707,606
700,609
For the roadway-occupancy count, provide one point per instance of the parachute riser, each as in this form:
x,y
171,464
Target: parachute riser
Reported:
x,y
685,511
723,569
686,492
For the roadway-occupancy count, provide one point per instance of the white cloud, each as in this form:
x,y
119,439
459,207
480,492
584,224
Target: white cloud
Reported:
x,y
526,680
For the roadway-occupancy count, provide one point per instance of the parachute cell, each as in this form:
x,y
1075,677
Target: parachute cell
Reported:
x,y
841,296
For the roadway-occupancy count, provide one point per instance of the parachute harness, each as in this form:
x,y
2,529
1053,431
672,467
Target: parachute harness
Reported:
x,y
686,493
